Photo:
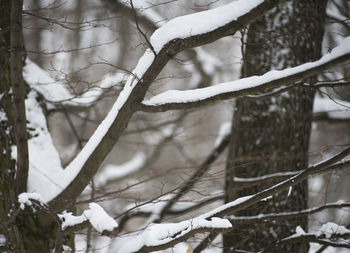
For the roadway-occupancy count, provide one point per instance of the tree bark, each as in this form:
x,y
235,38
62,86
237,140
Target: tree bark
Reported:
x,y
272,134
18,96
9,228
24,231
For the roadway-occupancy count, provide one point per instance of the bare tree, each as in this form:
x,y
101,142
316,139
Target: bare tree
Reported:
x,y
39,217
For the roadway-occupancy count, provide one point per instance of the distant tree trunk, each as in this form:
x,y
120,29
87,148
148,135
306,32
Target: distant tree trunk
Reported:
x,y
272,134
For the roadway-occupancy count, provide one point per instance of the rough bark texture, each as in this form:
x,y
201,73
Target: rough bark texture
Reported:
x,y
8,227
18,95
272,134
24,231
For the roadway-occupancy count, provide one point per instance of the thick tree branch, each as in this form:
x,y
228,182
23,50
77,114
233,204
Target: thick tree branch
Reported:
x,y
188,99
88,161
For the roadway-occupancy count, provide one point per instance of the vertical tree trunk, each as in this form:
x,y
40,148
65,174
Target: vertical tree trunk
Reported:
x,y
18,96
24,231
8,207
272,134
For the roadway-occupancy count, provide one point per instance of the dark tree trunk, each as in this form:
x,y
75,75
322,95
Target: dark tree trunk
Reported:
x,y
272,135
18,96
24,231
8,201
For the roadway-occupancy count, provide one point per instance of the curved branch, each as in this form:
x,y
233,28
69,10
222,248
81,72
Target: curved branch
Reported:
x,y
85,165
188,99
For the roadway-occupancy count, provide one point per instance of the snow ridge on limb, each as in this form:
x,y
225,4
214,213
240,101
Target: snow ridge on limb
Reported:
x,y
200,22
175,99
330,234
155,236
84,166
96,215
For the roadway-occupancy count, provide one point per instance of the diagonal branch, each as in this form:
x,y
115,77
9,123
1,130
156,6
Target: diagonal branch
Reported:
x,y
81,170
244,202
188,184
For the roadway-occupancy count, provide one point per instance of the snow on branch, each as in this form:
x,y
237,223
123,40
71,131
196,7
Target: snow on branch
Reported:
x,y
81,170
330,234
175,99
200,22
96,215
244,202
161,236
26,198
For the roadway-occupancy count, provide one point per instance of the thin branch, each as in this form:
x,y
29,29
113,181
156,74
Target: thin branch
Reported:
x,y
322,239
139,29
206,242
288,215
240,204
188,184
245,202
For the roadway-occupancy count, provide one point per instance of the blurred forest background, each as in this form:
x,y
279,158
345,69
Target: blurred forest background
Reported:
x,y
82,42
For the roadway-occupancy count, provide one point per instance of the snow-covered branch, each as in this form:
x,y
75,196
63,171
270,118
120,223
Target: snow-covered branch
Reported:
x,y
244,202
162,236
166,44
175,100
330,234
96,215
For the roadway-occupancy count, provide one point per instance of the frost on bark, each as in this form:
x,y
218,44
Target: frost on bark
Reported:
x,y
272,134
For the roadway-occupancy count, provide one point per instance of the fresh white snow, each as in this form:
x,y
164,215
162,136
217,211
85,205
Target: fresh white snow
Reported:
x,y
96,215
25,199
190,25
44,162
99,219
200,22
176,96
158,234
50,181
226,206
